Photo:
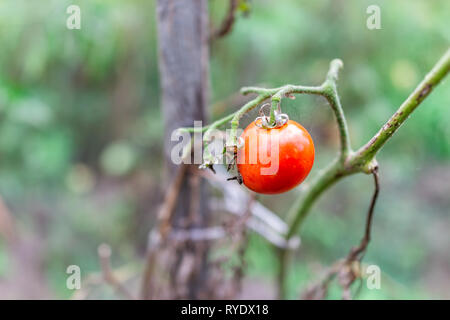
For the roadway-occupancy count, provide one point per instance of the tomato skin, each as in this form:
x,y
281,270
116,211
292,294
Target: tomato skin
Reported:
x,y
295,157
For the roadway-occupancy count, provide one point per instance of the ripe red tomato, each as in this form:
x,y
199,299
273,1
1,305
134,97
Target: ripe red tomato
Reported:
x,y
275,160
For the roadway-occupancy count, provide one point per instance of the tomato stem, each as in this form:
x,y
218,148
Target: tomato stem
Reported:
x,y
361,161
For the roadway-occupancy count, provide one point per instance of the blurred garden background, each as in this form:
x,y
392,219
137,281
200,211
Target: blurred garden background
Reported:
x,y
81,152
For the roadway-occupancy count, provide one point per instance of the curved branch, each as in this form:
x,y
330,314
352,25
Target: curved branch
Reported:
x,y
238,115
347,269
227,23
356,253
335,66
104,254
327,90
258,90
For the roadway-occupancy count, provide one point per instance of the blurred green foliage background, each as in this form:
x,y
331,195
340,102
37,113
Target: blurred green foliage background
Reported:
x,y
81,130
